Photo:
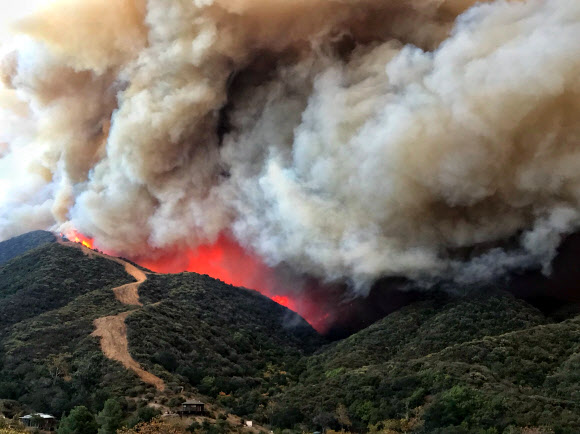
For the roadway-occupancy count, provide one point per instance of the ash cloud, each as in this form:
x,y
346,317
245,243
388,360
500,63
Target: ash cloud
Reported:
x,y
345,140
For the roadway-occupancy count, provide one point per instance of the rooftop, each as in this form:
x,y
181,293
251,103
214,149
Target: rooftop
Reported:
x,y
193,402
41,415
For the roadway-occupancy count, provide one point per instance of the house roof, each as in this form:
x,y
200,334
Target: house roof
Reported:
x,y
41,415
193,402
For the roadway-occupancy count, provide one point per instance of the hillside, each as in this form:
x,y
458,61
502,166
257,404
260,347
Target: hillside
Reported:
x,y
481,364
49,298
50,277
18,245
78,327
230,343
198,334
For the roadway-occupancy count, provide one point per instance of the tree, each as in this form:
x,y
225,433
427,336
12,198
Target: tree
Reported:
x,y
79,421
286,417
453,407
324,420
144,414
342,416
167,360
59,366
110,418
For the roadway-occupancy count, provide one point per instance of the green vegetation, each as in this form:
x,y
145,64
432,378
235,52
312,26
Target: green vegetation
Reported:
x,y
232,344
49,298
79,421
49,278
479,364
19,245
111,417
485,364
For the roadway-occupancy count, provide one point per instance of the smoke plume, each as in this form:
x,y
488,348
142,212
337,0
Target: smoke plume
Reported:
x,y
344,140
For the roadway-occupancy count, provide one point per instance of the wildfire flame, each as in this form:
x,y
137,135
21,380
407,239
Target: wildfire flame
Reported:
x,y
79,238
284,301
84,243
229,262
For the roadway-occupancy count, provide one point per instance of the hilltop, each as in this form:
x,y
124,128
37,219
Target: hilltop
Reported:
x,y
19,245
485,364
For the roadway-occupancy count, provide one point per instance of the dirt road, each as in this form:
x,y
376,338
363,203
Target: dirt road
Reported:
x,y
113,333
126,294
129,293
112,329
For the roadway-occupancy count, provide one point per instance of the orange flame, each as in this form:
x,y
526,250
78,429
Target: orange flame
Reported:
x,y
229,262
284,301
77,237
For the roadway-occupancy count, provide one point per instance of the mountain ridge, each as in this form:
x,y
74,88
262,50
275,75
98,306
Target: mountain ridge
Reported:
x,y
19,245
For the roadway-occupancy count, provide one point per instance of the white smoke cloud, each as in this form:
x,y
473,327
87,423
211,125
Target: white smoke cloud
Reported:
x,y
365,138
13,11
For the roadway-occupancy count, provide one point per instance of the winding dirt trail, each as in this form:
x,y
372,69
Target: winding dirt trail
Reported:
x,y
113,333
112,329
129,293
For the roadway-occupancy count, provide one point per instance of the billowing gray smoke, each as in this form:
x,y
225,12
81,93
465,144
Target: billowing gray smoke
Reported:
x,y
348,140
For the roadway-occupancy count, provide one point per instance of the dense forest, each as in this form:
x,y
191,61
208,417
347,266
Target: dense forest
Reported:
x,y
485,364
480,363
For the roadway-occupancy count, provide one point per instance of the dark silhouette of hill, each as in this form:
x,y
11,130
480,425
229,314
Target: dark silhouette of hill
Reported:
x,y
18,245
556,294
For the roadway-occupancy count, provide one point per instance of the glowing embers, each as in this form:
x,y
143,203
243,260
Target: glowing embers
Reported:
x,y
77,237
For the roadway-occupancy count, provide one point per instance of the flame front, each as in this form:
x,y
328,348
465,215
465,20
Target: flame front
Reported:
x,y
79,238
229,262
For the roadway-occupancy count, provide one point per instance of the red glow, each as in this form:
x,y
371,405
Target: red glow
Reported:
x,y
284,301
77,237
227,261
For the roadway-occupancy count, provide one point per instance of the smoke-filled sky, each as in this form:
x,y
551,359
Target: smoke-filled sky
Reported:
x,y
11,11
344,140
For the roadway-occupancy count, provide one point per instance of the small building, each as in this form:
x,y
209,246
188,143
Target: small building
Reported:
x,y
192,407
44,422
